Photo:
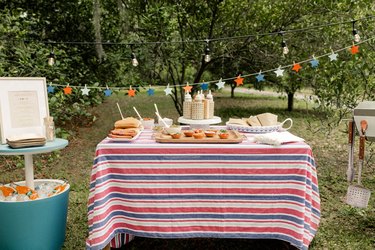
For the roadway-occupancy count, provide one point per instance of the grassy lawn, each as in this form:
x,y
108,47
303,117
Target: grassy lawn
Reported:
x,y
342,227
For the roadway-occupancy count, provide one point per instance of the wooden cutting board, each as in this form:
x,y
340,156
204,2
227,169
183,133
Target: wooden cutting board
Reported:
x,y
234,137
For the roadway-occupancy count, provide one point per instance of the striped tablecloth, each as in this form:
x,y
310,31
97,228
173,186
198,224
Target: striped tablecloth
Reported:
x,y
245,190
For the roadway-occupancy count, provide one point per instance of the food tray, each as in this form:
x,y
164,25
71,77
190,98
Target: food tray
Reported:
x,y
254,129
234,137
124,139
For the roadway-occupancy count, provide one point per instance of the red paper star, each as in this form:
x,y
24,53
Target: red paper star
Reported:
x,y
187,88
355,49
131,92
296,67
239,80
67,90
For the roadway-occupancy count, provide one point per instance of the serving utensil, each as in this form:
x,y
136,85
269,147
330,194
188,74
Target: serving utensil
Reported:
x,y
357,195
118,106
162,120
350,171
136,111
156,108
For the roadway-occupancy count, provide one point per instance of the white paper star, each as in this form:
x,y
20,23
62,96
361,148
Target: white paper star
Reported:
x,y
220,84
279,72
168,90
333,56
85,90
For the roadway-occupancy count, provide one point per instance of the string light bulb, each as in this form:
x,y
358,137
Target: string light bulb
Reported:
x,y
207,56
51,59
283,44
357,38
285,47
134,60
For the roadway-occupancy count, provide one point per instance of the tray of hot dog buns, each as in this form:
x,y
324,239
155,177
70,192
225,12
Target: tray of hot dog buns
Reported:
x,y
127,129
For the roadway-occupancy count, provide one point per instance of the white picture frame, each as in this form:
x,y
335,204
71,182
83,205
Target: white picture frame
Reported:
x,y
23,106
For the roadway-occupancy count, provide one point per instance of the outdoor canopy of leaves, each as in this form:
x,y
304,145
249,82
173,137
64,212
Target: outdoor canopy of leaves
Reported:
x,y
31,29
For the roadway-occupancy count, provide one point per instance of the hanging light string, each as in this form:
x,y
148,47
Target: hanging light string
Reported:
x,y
243,76
198,40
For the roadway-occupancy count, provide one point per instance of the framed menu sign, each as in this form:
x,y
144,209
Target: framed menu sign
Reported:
x,y
23,106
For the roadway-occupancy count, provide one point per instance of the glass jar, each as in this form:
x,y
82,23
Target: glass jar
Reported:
x,y
50,128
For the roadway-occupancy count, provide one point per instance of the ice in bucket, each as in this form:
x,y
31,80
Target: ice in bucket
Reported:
x,y
14,192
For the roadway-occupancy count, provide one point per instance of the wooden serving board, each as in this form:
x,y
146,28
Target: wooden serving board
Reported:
x,y
234,137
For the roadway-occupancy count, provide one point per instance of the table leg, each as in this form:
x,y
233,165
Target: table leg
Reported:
x,y
29,171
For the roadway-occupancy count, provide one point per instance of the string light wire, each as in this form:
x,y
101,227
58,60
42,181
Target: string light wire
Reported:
x,y
243,76
202,40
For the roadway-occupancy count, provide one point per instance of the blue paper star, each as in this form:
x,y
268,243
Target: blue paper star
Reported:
x,y
107,92
51,89
260,77
204,86
150,91
314,63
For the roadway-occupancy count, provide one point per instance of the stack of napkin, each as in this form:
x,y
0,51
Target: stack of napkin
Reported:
x,y
26,140
277,138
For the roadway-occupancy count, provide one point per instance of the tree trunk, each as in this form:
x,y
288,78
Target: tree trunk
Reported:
x,y
98,36
290,101
232,87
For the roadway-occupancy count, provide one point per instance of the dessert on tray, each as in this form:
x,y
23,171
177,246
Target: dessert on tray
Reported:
x,y
200,136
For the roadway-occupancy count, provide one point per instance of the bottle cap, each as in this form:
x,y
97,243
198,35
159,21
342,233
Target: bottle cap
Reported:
x,y
209,95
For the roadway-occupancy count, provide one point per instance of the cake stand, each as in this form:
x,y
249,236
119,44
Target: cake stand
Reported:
x,y
200,124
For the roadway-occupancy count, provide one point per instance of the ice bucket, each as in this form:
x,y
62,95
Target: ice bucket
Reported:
x,y
366,111
34,225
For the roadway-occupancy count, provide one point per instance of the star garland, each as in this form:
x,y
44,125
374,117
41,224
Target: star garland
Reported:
x,y
85,90
296,67
239,80
187,88
67,90
131,92
107,92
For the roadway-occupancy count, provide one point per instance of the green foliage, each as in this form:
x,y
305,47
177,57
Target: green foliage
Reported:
x,y
24,57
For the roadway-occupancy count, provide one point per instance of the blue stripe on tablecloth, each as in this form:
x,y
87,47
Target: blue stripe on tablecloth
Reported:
x,y
193,197
201,158
179,216
191,177
315,211
107,177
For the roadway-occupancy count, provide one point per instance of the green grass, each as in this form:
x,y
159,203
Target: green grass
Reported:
x,y
342,227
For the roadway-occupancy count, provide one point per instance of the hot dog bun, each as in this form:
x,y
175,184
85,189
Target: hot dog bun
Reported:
x,y
128,122
123,133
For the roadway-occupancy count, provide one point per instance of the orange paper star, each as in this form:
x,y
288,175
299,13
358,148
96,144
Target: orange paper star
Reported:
x,y
355,49
187,88
67,90
296,67
131,92
239,80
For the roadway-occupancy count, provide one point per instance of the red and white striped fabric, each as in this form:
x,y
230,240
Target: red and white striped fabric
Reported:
x,y
245,190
